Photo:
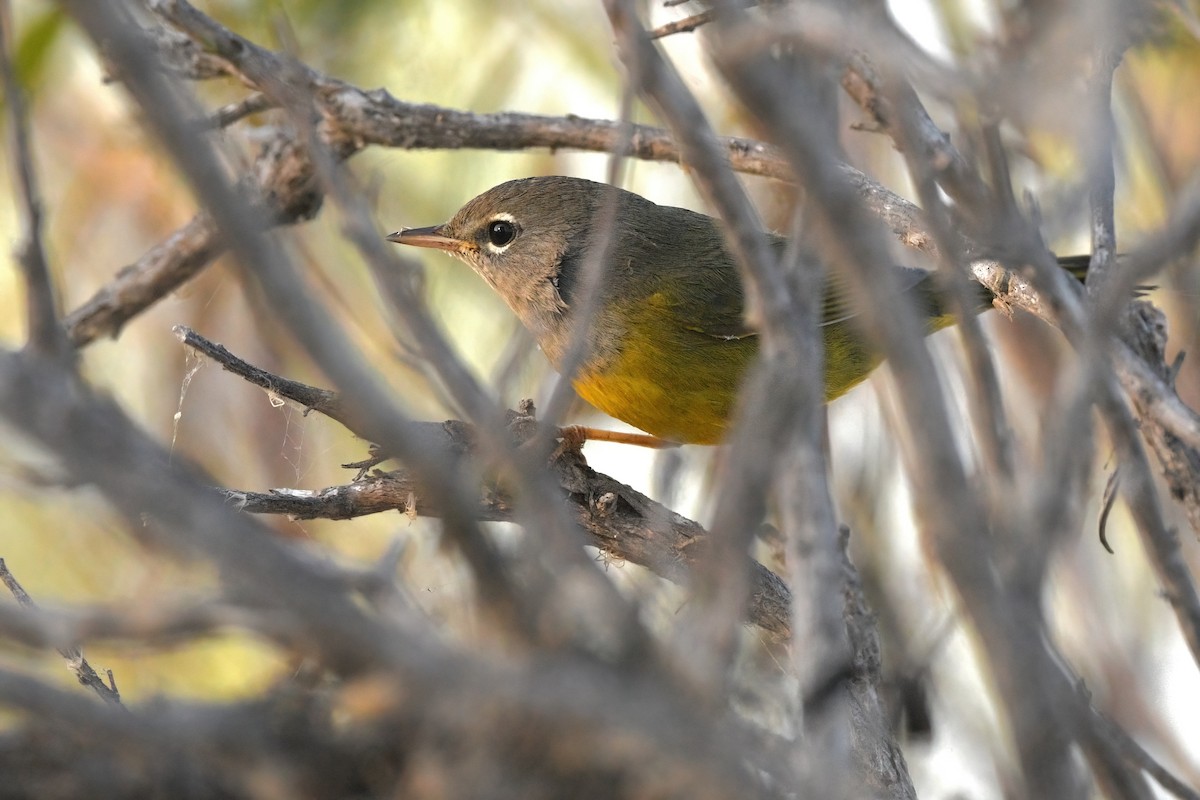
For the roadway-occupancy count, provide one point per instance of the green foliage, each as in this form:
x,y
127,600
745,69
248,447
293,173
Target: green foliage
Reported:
x,y
35,44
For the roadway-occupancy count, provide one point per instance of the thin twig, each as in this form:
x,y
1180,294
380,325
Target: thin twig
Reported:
x,y
1138,757
685,25
310,397
163,625
46,335
251,104
74,656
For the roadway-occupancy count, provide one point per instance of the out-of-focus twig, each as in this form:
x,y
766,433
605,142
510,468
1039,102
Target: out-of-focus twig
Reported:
x,y
1137,756
158,625
685,25
41,306
75,661
282,179
252,104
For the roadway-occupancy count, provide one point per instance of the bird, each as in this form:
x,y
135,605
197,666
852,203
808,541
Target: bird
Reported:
x,y
667,344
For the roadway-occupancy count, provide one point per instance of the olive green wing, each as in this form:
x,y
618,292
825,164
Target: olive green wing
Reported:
x,y
685,273
694,280
721,304
720,310
917,284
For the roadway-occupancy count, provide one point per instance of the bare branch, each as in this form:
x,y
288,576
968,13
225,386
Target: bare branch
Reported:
x,y
157,625
70,650
685,25
310,397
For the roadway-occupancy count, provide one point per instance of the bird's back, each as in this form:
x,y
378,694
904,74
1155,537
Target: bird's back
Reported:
x,y
670,346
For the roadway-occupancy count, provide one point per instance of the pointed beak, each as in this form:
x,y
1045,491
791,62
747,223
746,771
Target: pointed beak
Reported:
x,y
427,237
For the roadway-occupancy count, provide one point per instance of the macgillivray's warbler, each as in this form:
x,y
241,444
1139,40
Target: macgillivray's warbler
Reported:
x,y
667,346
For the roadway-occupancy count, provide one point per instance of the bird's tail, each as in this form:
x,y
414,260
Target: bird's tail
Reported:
x,y
1076,265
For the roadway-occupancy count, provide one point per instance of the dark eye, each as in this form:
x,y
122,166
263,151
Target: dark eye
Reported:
x,y
500,232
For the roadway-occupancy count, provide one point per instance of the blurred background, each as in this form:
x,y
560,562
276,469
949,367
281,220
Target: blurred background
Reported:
x,y
110,194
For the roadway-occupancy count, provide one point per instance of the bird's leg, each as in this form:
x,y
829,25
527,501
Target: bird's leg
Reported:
x,y
573,436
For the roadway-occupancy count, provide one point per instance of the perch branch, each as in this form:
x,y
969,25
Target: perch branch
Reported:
x,y
618,520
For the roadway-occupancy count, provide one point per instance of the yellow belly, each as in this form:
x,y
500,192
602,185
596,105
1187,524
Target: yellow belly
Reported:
x,y
683,388
672,407
681,385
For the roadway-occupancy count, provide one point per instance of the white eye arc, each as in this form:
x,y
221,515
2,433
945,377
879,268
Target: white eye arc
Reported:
x,y
501,231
